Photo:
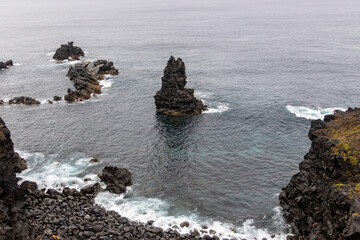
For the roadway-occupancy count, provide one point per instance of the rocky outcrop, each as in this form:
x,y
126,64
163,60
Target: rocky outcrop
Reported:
x,y
116,179
68,51
13,222
322,201
173,98
6,64
86,76
23,100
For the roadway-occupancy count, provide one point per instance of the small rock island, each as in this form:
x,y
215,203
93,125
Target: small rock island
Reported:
x,y
6,64
322,201
68,51
173,98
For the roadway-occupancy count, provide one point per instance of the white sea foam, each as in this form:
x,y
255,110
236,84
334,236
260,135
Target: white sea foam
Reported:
x,y
18,64
145,209
219,109
52,172
107,82
213,106
311,113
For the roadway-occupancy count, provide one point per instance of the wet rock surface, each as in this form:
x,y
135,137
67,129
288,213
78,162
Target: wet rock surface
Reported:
x,y
322,201
86,78
173,98
24,100
116,179
67,51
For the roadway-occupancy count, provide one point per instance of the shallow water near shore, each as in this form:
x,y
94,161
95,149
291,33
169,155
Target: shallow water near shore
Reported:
x,y
265,68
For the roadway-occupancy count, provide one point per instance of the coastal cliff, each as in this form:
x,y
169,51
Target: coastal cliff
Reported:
x,y
13,222
322,201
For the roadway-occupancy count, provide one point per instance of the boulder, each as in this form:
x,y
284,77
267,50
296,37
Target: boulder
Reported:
x,y
67,51
23,100
116,179
173,98
57,98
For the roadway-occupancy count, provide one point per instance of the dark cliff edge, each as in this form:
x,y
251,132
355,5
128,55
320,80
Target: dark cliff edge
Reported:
x,y
322,201
13,222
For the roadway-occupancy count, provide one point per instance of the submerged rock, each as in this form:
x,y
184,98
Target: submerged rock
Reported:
x,y
116,179
173,98
322,201
23,100
67,51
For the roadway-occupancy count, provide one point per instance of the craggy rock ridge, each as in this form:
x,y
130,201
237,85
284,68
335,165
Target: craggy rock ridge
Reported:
x,y
68,51
85,77
13,222
23,100
322,201
173,98
6,64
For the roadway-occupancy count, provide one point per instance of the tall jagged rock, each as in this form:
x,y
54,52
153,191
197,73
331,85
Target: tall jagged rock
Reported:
x,y
322,201
67,51
173,98
13,223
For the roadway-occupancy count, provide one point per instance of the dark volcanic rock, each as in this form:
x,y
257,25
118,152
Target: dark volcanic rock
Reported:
x,y
6,64
57,98
23,100
173,98
67,51
13,222
85,77
322,201
116,179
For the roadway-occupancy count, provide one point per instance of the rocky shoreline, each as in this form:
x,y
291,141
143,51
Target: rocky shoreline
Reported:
x,y
322,201
29,213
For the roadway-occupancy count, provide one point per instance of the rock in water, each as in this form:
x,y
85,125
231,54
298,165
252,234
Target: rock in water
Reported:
x,y
173,98
13,222
23,100
85,77
322,201
6,64
116,179
67,51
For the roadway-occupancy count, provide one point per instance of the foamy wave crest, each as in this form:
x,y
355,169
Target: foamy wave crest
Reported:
x,y
213,106
219,109
311,113
48,171
18,64
145,209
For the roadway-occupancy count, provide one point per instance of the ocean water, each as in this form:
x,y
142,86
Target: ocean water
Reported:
x,y
265,68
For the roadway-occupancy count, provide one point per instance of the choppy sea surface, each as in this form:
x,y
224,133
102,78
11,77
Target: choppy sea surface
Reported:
x,y
265,68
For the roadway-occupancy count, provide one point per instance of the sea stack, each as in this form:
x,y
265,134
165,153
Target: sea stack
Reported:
x,y
173,98
68,51
322,201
